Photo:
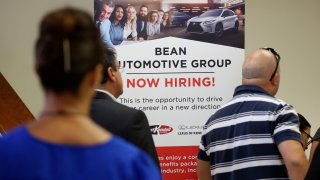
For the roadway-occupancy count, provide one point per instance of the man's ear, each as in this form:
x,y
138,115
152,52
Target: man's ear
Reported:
x,y
275,80
112,74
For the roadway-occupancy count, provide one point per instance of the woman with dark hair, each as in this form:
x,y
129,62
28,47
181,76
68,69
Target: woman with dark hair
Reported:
x,y
117,25
165,21
64,143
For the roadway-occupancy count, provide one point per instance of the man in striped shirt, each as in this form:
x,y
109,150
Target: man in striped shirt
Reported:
x,y
255,135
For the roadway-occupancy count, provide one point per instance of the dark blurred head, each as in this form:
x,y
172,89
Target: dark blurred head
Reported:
x,y
67,49
305,129
109,60
304,124
111,78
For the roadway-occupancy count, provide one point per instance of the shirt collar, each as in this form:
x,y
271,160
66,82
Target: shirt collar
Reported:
x,y
108,93
243,89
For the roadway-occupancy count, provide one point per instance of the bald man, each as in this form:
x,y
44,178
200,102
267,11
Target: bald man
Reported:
x,y
255,135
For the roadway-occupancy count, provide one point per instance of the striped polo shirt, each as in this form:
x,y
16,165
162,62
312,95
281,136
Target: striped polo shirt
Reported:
x,y
240,140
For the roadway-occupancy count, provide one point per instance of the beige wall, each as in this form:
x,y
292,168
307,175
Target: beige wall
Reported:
x,y
19,22
290,26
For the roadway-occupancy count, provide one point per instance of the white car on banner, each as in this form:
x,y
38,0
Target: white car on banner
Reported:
x,y
214,22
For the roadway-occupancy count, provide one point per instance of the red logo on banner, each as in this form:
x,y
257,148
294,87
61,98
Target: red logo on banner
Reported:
x,y
160,129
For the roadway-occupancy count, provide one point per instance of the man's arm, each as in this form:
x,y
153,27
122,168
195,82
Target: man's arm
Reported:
x,y
203,170
294,159
105,32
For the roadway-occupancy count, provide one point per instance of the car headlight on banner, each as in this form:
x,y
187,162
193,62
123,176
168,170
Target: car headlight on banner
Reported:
x,y
209,22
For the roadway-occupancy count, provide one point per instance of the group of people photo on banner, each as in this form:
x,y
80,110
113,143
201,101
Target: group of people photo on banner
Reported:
x,y
124,22
119,24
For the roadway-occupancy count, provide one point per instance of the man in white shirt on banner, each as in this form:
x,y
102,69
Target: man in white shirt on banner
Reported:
x,y
103,12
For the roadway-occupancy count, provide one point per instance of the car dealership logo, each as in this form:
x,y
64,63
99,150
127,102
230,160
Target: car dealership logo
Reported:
x,y
160,129
190,127
185,129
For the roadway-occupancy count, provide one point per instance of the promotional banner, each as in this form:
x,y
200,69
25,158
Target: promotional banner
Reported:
x,y
180,75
